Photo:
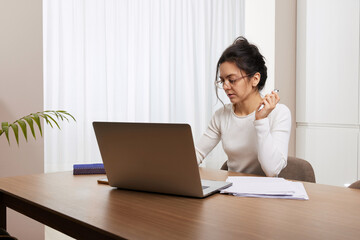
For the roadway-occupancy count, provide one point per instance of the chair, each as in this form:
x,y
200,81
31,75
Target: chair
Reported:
x,y
296,169
355,185
4,235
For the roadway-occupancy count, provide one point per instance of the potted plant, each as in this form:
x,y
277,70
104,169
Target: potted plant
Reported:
x,y
51,118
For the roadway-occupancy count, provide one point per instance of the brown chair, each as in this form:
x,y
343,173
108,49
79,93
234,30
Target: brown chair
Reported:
x,y
296,169
355,185
224,166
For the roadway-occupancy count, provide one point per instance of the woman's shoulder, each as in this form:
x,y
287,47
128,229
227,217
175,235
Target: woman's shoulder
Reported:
x,y
223,112
280,111
226,109
282,108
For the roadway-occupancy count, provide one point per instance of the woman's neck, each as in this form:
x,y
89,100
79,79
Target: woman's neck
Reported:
x,y
249,105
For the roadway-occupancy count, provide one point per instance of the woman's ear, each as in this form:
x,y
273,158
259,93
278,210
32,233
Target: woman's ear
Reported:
x,y
256,79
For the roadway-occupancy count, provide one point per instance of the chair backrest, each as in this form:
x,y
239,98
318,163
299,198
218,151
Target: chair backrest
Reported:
x,y
296,169
224,166
355,185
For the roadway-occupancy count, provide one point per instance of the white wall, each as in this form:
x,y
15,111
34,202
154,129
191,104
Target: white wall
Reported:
x,y
327,88
21,94
260,30
271,25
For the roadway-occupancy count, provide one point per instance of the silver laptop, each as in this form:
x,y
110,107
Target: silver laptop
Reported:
x,y
153,157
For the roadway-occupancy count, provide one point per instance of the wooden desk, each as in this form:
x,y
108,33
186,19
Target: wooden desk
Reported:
x,y
83,209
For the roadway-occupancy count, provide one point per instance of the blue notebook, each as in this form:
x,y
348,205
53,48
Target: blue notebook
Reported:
x,y
91,168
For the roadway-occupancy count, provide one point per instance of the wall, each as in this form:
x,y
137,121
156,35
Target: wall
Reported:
x,y
21,77
285,60
271,25
21,84
327,89
260,30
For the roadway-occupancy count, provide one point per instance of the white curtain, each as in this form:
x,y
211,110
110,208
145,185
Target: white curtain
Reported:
x,y
131,60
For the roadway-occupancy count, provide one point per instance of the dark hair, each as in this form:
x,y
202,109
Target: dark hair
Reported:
x,y
247,57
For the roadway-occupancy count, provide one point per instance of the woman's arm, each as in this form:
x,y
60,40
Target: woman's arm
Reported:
x,y
209,139
273,140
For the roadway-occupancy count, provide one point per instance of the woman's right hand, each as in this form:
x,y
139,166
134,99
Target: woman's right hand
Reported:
x,y
269,102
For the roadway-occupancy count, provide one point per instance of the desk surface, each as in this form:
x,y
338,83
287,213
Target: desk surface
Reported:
x,y
81,208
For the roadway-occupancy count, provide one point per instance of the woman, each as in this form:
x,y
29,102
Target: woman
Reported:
x,y
254,130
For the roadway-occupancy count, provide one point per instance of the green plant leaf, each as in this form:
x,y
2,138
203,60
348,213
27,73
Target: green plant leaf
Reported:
x,y
66,113
22,125
46,119
5,128
52,120
16,132
55,113
60,115
70,115
37,120
31,125
63,116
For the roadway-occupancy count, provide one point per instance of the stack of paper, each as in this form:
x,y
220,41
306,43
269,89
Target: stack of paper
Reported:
x,y
266,187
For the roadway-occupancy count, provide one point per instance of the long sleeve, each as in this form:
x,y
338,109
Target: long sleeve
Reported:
x,y
273,141
208,140
248,143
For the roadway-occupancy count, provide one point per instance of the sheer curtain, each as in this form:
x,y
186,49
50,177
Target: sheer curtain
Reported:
x,y
131,60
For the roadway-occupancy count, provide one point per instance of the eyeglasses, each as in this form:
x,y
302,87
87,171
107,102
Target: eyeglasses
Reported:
x,y
221,82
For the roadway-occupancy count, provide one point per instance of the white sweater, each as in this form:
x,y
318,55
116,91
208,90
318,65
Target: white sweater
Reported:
x,y
247,142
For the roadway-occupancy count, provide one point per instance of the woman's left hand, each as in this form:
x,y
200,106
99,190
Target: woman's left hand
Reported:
x,y
269,102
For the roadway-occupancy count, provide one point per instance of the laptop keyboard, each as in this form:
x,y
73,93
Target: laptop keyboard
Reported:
x,y
205,187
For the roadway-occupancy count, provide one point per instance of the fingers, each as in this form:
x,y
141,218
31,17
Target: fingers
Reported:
x,y
277,98
272,98
261,106
267,104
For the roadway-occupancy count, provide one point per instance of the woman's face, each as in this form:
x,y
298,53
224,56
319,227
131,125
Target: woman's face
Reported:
x,y
236,83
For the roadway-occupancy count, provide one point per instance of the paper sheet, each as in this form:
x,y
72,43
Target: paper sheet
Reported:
x,y
266,187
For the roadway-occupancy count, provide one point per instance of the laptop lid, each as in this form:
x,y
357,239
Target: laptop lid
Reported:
x,y
154,157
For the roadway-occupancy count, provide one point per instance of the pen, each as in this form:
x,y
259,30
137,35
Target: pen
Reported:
x,y
262,105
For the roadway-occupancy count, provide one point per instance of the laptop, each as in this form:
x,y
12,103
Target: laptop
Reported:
x,y
152,157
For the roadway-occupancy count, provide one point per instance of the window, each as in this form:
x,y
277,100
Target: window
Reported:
x,y
131,60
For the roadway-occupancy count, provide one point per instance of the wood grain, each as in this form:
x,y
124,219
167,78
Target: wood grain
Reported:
x,y
84,209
